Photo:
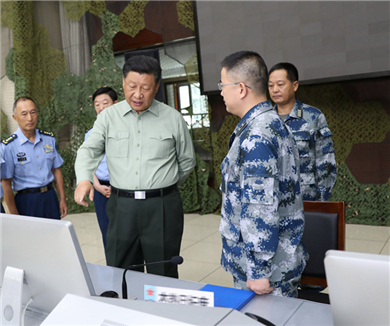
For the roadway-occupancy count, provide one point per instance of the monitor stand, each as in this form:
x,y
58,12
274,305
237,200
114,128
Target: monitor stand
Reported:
x,y
11,297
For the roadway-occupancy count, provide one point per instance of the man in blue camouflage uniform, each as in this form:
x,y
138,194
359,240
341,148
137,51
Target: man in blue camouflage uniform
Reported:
x,y
310,130
31,167
262,211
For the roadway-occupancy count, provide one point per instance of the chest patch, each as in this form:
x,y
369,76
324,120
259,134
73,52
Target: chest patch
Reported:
x,y
48,148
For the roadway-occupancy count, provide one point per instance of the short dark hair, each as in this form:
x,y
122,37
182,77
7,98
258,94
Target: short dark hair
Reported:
x,y
143,64
249,67
292,71
105,90
22,99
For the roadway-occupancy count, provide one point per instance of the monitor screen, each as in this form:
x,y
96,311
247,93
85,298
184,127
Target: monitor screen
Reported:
x,y
327,41
50,255
359,287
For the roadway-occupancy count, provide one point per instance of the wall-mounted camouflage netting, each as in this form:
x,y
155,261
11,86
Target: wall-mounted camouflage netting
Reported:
x,y
64,98
353,123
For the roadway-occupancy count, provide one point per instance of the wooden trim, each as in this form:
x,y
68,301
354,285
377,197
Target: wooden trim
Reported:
x,y
314,280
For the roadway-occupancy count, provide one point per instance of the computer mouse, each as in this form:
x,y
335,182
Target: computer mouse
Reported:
x,y
110,294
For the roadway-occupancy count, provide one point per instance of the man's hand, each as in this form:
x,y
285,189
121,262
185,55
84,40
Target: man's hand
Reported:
x,y
104,190
83,188
259,286
63,208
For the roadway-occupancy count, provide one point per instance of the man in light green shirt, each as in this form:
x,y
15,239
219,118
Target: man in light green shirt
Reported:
x,y
149,152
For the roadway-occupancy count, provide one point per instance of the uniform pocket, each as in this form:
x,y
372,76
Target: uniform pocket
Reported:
x,y
308,179
258,190
302,138
23,166
50,159
160,145
118,144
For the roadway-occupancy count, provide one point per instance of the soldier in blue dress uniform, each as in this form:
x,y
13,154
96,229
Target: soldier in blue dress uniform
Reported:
x,y
310,130
102,98
262,217
32,167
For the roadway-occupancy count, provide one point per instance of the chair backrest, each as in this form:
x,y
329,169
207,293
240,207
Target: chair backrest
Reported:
x,y
324,230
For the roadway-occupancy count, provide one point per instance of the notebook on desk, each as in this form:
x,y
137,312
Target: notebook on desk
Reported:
x,y
229,297
359,288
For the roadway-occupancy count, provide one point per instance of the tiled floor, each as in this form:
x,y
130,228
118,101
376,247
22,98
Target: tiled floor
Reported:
x,y
201,245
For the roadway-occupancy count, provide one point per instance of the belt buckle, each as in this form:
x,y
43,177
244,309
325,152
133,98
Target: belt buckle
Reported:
x,y
44,189
139,195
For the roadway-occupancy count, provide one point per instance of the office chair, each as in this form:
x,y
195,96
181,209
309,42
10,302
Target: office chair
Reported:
x,y
324,230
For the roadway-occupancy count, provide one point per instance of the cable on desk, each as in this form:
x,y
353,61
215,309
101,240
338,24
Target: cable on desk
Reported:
x,y
25,308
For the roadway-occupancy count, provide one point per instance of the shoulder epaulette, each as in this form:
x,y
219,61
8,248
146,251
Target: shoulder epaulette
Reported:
x,y
47,133
88,130
9,139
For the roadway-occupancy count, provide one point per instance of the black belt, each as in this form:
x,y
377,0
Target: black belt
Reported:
x,y
35,190
143,194
104,183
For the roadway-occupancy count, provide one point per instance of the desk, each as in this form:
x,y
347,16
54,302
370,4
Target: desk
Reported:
x,y
280,311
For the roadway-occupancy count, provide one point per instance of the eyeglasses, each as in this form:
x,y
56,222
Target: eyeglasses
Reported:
x,y
220,86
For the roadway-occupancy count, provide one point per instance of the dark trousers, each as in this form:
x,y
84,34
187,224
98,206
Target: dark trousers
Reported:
x,y
100,208
39,204
147,230
2,208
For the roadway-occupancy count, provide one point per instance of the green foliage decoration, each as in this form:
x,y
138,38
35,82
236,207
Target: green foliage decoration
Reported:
x,y
365,204
352,123
220,144
34,59
73,100
195,192
4,129
185,13
74,10
20,82
189,194
131,20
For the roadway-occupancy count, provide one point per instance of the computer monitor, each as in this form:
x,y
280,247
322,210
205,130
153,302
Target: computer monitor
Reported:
x,y
359,288
50,255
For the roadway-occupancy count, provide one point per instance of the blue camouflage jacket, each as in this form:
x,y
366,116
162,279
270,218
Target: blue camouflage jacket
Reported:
x,y
316,152
262,217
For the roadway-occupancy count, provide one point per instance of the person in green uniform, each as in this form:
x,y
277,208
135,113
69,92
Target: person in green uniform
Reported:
x,y
149,153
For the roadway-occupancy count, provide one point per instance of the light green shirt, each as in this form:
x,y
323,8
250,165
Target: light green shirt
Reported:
x,y
150,150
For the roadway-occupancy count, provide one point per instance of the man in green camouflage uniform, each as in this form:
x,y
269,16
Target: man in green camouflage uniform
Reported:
x,y
262,211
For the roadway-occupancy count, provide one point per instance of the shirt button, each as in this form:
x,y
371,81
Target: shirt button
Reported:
x,y
43,179
136,173
37,156
137,159
139,131
136,187
40,168
139,118
137,145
